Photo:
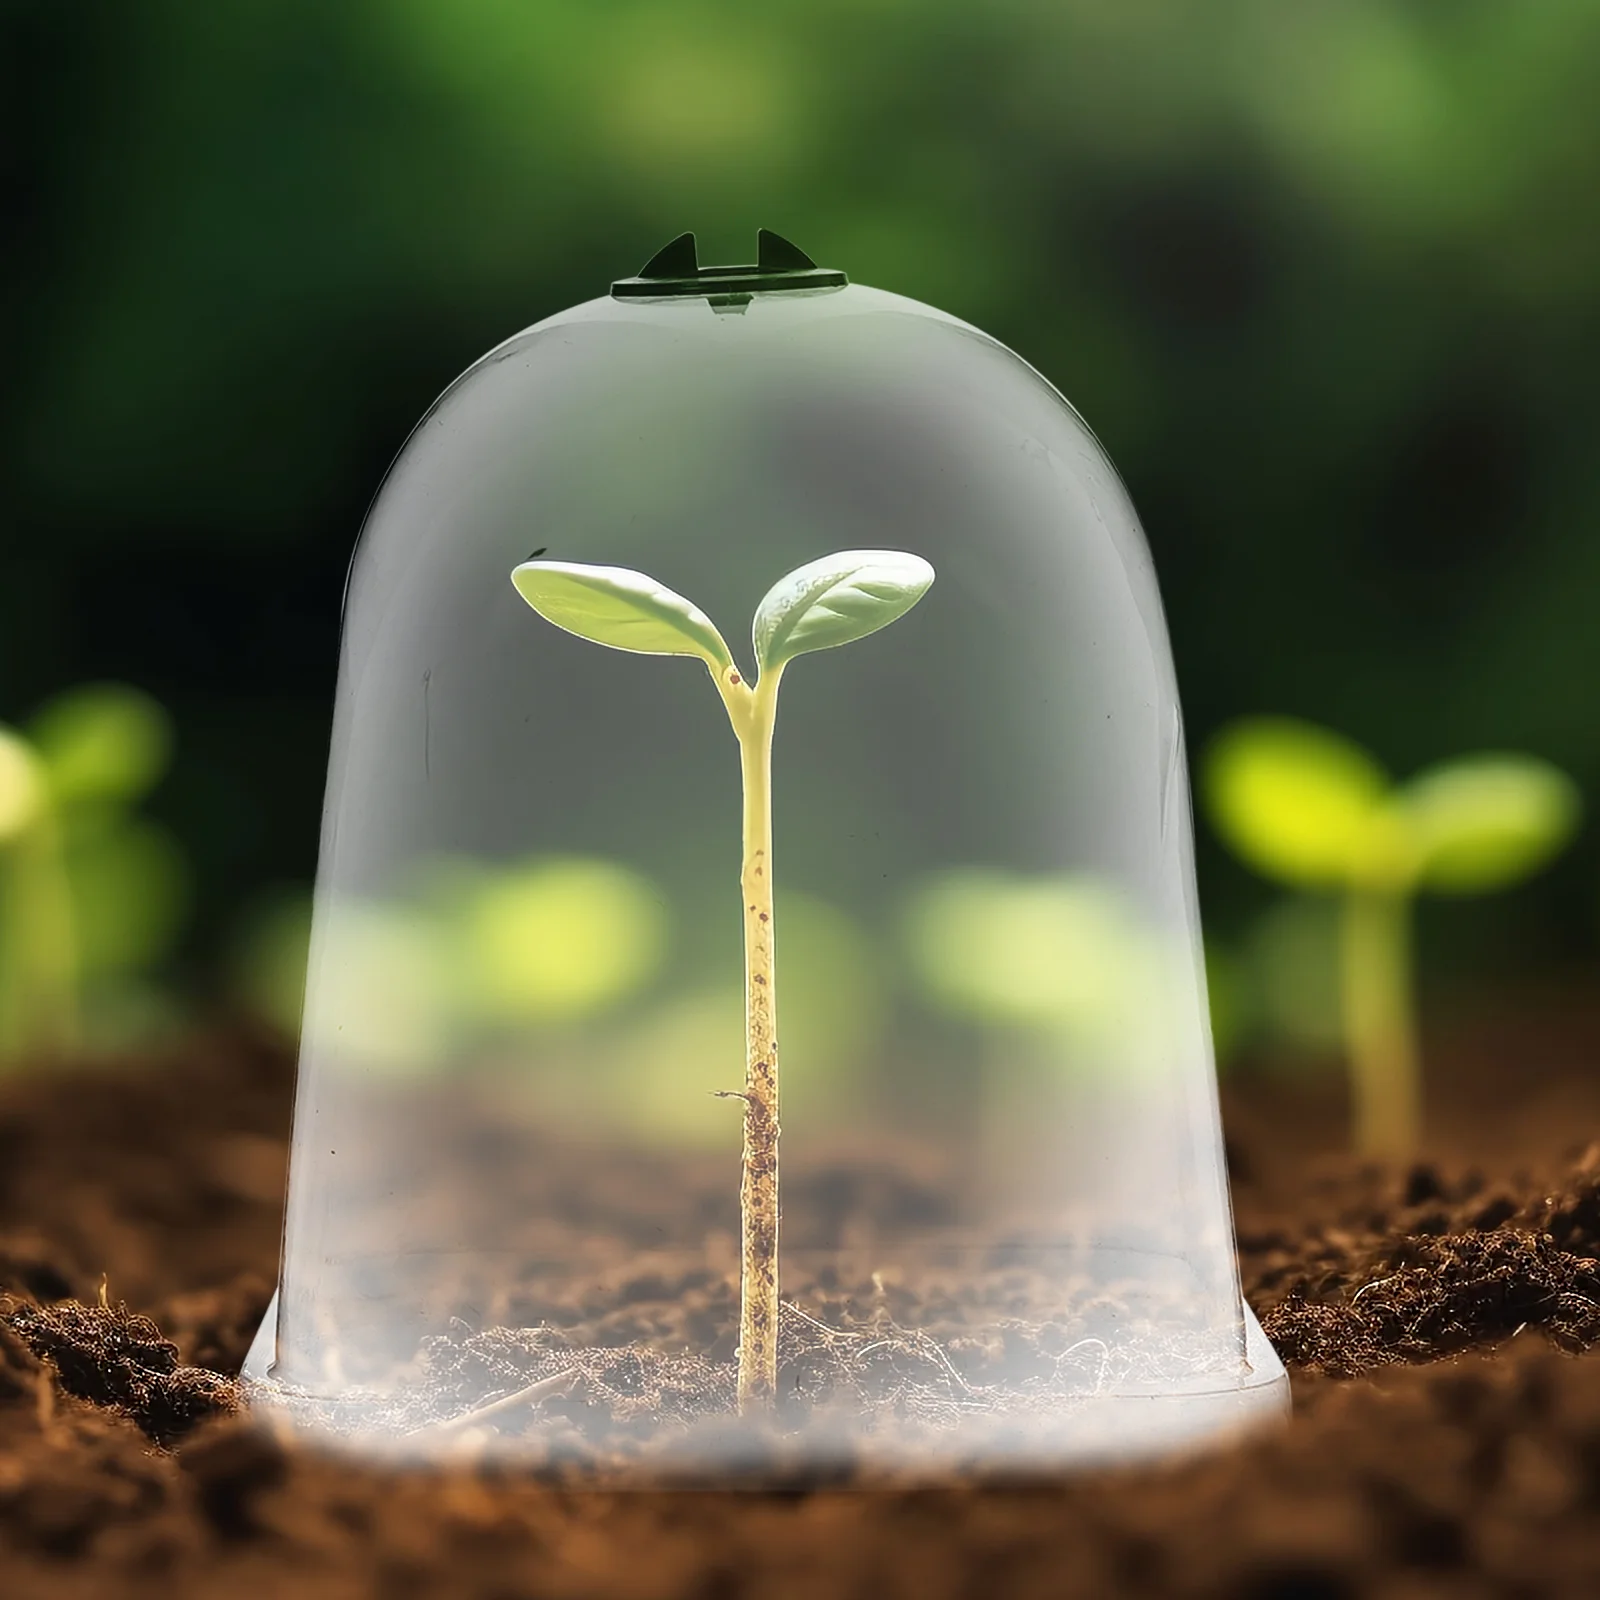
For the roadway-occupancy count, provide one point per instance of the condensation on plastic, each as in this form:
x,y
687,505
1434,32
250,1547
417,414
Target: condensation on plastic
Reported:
x,y
1002,1174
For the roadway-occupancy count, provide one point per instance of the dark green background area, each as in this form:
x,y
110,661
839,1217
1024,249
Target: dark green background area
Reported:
x,y
1324,277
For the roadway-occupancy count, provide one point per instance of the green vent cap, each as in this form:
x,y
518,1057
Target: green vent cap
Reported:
x,y
675,270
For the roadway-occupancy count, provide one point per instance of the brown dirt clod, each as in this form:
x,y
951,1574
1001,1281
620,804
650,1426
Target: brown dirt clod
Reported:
x,y
116,1359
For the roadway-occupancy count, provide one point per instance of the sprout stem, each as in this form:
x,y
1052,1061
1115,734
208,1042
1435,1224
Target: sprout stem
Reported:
x,y
1380,1024
39,1014
758,1190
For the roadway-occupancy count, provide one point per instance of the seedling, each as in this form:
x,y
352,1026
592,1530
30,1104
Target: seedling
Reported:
x,y
38,957
1311,809
829,602
85,888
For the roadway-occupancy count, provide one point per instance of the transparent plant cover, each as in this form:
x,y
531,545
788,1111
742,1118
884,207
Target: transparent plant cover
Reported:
x,y
539,1201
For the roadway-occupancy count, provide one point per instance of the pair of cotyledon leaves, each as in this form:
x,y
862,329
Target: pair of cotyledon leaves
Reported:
x,y
1308,807
832,601
103,745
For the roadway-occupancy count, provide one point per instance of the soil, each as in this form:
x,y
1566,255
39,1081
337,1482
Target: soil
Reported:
x,y
574,1305
1439,1323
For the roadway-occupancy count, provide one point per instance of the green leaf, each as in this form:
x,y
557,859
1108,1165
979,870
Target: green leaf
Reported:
x,y
1042,952
1297,802
562,938
842,597
1485,822
102,742
621,608
22,792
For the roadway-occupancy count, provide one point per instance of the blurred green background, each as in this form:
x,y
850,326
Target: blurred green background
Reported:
x,y
1325,278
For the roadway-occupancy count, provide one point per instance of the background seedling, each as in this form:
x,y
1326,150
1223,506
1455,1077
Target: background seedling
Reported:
x,y
832,601
1311,809
90,893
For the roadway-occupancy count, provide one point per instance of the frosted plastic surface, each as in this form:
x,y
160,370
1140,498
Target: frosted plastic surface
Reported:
x,y
1005,1233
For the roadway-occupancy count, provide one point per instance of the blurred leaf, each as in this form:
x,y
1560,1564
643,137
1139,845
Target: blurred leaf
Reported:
x,y
562,938
102,742
619,607
1032,952
835,600
1485,822
1292,800
21,784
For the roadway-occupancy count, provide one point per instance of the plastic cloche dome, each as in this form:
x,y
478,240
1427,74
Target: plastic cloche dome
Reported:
x,y
592,923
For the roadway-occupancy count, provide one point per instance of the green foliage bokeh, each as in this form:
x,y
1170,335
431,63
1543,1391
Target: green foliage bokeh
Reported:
x,y
1325,279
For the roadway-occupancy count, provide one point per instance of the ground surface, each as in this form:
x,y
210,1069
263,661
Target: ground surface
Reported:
x,y
1446,1439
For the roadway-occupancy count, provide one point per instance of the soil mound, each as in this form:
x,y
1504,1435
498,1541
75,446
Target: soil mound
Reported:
x,y
108,1355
